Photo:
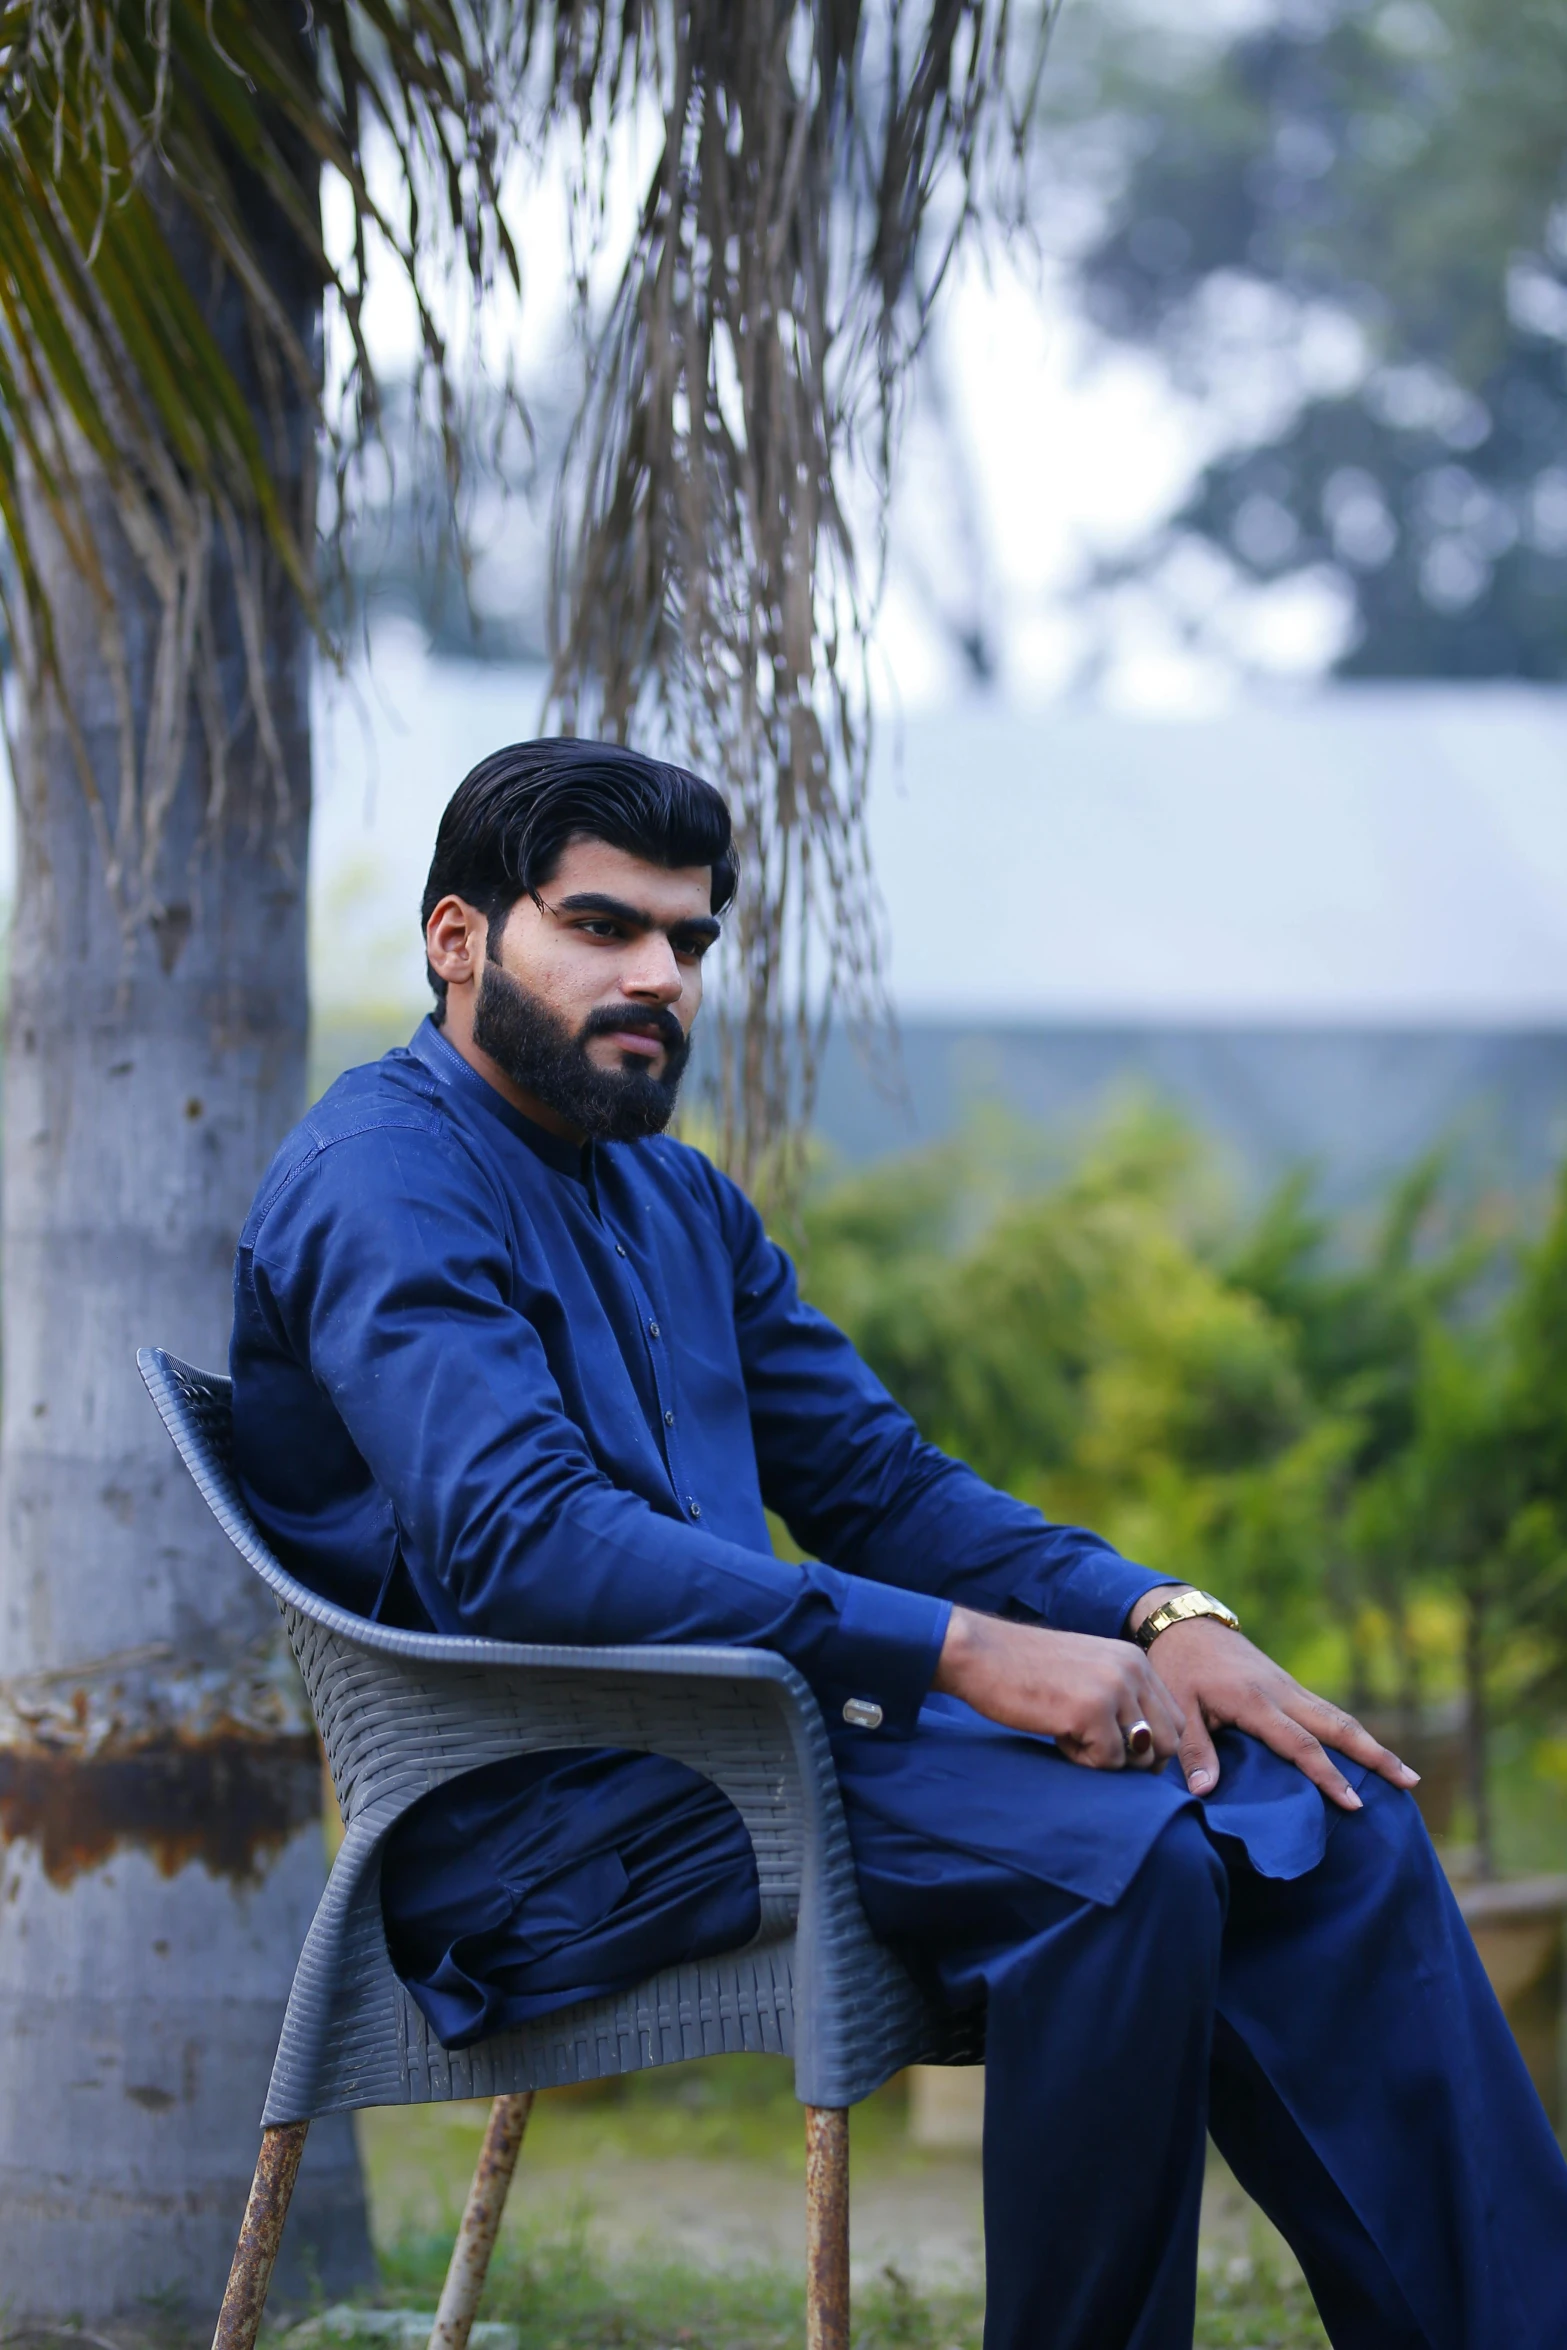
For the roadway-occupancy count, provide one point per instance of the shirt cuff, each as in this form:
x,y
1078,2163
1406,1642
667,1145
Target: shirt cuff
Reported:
x,y
884,1652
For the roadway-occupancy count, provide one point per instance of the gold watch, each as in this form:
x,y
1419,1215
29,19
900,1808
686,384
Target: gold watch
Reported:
x,y
1180,1608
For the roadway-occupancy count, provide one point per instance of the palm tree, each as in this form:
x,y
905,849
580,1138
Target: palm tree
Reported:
x,y
166,429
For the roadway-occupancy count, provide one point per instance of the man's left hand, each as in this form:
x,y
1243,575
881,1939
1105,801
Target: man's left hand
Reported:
x,y
1220,1681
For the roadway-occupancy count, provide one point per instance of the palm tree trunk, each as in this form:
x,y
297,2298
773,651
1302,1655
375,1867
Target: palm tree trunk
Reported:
x,y
160,1841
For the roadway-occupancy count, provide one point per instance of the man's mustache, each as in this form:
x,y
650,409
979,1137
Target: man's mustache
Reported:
x,y
608,1021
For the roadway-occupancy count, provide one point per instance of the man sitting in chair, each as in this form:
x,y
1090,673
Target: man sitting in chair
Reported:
x,y
509,1361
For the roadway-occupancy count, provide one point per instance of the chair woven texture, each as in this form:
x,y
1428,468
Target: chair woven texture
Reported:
x,y
403,1712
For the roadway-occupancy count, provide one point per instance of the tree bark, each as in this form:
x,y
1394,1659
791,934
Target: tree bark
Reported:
x,y
160,1839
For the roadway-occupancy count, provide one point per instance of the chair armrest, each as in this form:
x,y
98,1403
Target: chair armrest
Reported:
x,y
401,1713
404,1712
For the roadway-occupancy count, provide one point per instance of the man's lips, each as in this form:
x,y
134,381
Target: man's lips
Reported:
x,y
634,1040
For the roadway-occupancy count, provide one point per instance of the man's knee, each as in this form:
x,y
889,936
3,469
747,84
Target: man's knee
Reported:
x,y
1392,1854
1182,1888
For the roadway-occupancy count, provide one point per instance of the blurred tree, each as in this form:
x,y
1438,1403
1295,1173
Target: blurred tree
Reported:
x,y
1539,1372
1535,1329
1462,1488
1332,1436
1395,166
1079,1346
1360,1328
169,303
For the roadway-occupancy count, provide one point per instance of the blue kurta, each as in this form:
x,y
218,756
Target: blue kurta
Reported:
x,y
565,1386
486,1381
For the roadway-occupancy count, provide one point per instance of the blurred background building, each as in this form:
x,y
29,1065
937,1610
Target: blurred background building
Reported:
x,y
1330,926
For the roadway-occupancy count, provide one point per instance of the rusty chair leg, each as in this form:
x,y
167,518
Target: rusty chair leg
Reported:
x,y
826,2227
261,2231
481,2221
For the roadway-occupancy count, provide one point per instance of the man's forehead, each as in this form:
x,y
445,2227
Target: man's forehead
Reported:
x,y
664,891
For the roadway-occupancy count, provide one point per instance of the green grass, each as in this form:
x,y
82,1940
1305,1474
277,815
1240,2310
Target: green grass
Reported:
x,y
739,2112
560,2299
1256,2312
559,2285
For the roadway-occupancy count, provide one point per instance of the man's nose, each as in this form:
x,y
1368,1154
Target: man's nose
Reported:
x,y
652,972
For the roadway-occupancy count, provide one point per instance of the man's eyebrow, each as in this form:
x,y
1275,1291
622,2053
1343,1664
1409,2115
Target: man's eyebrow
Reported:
x,y
593,901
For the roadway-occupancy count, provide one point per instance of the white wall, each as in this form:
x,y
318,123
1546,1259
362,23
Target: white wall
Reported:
x,y
1375,853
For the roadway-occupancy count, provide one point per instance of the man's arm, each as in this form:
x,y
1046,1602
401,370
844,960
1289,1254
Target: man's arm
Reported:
x,y
846,1469
382,1266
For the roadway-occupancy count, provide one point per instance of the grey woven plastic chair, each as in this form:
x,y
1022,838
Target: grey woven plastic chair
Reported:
x,y
403,1712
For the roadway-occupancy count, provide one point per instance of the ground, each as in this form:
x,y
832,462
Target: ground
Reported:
x,y
669,2216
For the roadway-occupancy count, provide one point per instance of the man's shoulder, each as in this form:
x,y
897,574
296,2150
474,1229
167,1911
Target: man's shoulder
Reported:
x,y
369,1115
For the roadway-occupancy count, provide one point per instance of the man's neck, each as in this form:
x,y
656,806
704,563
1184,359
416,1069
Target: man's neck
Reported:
x,y
459,1035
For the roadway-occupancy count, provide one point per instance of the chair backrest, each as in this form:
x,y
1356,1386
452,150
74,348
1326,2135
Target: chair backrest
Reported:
x,y
197,1408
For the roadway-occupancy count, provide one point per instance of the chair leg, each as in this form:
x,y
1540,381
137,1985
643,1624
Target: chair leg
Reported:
x,y
261,2231
826,2227
481,2221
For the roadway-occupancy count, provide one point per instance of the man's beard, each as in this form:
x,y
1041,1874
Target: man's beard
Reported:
x,y
540,1054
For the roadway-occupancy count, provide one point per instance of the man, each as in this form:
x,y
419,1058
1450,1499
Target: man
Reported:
x,y
506,1360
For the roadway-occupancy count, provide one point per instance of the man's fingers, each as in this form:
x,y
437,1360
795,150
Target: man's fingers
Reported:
x,y
1168,1722
1226,1681
1135,1697
1147,1701
1334,1727
1295,1743
1161,1708
1100,1746
1199,1757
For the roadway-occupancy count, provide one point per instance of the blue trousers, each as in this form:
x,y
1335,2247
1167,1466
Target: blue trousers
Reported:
x,y
1335,2032
1293,1978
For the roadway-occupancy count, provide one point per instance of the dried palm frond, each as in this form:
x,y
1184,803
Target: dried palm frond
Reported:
x,y
707,578
817,165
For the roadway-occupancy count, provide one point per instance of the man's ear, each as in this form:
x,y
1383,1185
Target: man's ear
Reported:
x,y
454,941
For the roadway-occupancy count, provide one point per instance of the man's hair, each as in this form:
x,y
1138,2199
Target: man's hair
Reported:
x,y
508,823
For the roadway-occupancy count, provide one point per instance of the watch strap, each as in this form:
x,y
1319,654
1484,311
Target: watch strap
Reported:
x,y
1180,1608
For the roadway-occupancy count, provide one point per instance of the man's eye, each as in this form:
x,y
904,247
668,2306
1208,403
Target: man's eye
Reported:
x,y
600,926
691,950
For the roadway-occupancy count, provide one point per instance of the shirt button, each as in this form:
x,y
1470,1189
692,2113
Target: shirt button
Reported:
x,y
696,1512
669,1419
652,1329
620,1248
862,1713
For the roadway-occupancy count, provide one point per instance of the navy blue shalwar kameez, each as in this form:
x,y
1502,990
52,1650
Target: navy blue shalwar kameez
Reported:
x,y
487,1382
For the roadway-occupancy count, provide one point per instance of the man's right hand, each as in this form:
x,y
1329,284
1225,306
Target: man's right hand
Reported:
x,y
1083,1692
